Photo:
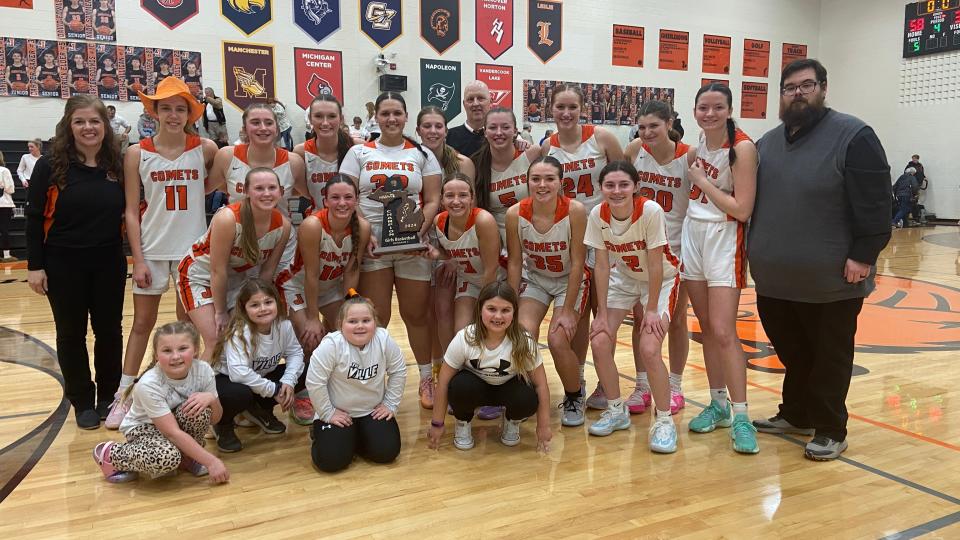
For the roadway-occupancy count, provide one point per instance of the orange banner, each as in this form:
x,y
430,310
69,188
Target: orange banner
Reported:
x,y
756,58
674,49
24,4
793,52
753,100
716,54
705,82
627,45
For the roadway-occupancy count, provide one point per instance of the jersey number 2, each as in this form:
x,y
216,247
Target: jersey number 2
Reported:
x,y
176,197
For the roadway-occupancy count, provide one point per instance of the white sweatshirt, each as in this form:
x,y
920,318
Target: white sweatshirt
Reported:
x,y
245,369
342,376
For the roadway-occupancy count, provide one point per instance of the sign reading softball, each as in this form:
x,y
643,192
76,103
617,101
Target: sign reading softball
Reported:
x,y
499,80
318,73
381,20
247,15
545,28
171,13
440,23
494,26
248,73
318,18
440,86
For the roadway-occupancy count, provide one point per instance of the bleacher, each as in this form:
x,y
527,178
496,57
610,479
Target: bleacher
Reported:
x,y
12,151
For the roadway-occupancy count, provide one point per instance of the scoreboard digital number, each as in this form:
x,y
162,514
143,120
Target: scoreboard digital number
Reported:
x,y
931,27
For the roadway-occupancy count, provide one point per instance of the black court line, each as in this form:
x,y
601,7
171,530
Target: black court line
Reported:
x,y
21,415
926,528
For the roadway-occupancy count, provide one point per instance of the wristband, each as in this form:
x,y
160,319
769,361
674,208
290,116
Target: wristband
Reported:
x,y
434,423
276,389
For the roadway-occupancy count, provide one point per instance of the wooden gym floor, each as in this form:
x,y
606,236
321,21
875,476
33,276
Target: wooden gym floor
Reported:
x,y
898,479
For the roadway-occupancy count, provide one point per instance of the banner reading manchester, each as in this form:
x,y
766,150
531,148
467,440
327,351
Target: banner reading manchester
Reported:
x,y
440,86
318,18
247,15
440,23
545,28
317,73
499,80
381,20
494,26
171,13
248,73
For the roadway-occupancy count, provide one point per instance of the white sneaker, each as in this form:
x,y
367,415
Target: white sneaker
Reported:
x,y
463,435
610,420
510,432
663,437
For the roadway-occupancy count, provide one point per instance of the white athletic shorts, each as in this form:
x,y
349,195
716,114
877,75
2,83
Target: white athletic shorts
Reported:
x,y
546,290
161,272
625,293
715,252
405,266
471,288
330,292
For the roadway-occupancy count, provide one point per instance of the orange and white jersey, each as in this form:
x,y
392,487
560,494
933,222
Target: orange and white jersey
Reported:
x,y
238,171
716,163
581,169
507,188
319,172
465,250
333,261
373,163
627,241
668,186
547,254
173,213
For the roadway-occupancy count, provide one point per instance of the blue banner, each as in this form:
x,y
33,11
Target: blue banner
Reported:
x,y
381,20
247,15
318,18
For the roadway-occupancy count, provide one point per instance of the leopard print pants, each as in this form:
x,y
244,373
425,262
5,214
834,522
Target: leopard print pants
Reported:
x,y
148,451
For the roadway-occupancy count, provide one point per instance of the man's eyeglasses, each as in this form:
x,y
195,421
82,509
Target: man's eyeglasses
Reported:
x,y
805,87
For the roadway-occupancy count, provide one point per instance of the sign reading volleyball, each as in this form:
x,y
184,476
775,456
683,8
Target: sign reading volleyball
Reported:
x,y
499,80
248,73
440,86
494,26
247,15
381,20
171,13
545,28
440,23
318,18
317,73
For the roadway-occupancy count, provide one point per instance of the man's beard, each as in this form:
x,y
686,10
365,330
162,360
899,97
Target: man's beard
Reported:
x,y
800,114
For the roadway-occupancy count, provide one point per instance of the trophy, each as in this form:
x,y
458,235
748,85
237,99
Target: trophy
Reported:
x,y
399,231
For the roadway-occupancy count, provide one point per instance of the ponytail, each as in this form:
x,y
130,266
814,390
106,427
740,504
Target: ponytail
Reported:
x,y
450,160
483,162
732,135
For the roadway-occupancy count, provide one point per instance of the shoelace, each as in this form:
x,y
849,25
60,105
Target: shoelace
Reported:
x,y
662,431
712,412
743,429
568,404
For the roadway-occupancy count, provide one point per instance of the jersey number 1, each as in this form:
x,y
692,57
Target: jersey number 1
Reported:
x,y
176,197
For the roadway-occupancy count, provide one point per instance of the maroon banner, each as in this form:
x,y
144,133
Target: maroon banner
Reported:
x,y
499,80
318,73
494,26
248,73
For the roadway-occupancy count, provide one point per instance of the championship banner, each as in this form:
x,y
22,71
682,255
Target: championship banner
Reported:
x,y
171,13
627,45
756,58
74,19
318,18
440,23
108,80
248,73
753,100
793,52
545,28
716,54
23,4
247,15
48,72
440,86
317,73
80,70
494,26
499,79
674,49
381,20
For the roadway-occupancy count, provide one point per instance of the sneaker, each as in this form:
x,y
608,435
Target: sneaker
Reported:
x,y
638,401
610,421
489,412
597,400
87,419
264,418
677,402
744,435
118,409
573,414
711,418
188,464
778,424
101,454
426,393
302,412
823,448
510,432
103,409
227,440
10,259
463,435
663,437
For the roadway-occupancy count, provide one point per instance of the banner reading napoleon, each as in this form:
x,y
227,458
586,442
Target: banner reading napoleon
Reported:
x,y
248,73
440,86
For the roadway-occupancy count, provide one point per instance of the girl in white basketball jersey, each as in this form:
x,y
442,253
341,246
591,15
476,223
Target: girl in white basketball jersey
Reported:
x,y
171,167
662,161
724,180
248,236
636,272
323,153
546,265
395,158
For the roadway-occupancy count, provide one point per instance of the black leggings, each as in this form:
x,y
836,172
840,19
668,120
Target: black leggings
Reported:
x,y
467,391
84,283
6,214
237,397
375,440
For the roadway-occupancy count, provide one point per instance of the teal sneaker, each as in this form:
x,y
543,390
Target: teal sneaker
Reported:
x,y
711,418
744,435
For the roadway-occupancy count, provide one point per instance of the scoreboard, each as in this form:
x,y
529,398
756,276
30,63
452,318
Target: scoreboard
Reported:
x,y
931,27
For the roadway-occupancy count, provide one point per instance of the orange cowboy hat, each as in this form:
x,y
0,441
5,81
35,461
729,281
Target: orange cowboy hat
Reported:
x,y
170,87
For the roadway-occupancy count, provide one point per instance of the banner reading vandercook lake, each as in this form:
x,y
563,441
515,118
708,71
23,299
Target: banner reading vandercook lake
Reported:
x,y
440,86
499,80
248,73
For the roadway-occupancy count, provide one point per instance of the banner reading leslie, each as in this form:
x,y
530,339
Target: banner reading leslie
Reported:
x,y
674,49
545,28
627,45
756,58
317,73
716,54
499,80
793,52
753,100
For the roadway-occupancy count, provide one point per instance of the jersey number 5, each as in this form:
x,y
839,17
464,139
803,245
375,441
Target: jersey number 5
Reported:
x,y
176,197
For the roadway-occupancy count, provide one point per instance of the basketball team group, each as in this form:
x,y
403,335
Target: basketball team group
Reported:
x,y
283,306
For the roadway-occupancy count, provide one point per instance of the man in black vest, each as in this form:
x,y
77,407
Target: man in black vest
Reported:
x,y
467,138
821,218
214,121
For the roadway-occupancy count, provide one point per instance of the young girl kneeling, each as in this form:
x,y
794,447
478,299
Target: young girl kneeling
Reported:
x,y
493,361
174,402
356,379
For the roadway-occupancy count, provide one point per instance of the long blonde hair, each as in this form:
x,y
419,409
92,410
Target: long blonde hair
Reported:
x,y
249,246
240,321
176,328
523,354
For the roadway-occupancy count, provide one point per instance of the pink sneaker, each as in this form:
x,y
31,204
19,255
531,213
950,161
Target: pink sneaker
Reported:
x,y
638,401
677,402
101,454
426,393
302,412
118,409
